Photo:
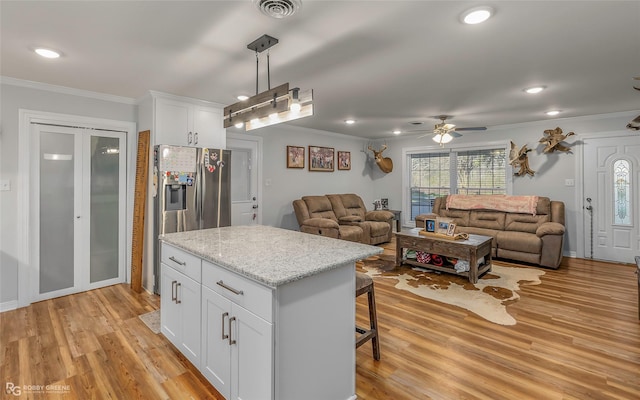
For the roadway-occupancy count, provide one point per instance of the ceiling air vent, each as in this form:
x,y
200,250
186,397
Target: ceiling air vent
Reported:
x,y
278,8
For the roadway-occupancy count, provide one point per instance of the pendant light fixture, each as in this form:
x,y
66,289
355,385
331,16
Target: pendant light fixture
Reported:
x,y
272,106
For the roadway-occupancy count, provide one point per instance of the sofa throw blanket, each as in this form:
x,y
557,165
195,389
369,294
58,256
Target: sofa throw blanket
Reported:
x,y
497,202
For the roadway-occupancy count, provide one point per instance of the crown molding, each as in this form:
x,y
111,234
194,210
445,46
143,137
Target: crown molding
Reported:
x,y
5,80
554,120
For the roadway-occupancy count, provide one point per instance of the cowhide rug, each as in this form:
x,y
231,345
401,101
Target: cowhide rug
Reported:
x,y
488,298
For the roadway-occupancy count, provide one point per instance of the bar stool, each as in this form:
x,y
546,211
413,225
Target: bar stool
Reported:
x,y
364,284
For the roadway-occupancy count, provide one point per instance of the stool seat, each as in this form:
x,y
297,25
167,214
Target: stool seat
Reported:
x,y
363,281
364,284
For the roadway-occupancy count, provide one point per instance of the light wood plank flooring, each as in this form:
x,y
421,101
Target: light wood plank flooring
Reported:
x,y
577,337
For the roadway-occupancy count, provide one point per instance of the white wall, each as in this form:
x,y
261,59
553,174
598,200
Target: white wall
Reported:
x,y
282,185
551,170
15,95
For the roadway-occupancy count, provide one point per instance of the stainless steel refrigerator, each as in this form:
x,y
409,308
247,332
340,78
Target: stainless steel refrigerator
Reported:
x,y
193,191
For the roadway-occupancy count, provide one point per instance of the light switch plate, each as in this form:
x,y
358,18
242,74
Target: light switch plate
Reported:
x,y
569,182
5,185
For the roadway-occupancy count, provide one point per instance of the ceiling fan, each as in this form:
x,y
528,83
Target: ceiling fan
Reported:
x,y
444,132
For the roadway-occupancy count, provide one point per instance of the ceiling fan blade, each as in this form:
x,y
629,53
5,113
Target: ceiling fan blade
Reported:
x,y
455,134
474,128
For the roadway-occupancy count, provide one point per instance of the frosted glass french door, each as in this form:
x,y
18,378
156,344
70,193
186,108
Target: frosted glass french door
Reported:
x,y
77,209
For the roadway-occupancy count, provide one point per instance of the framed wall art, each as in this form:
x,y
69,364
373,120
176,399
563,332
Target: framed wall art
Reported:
x,y
344,160
321,158
295,157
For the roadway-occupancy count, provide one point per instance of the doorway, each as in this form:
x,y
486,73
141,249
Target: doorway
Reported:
x,y
89,233
77,209
611,201
245,178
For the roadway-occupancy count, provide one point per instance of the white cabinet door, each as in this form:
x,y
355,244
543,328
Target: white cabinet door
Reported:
x,y
173,123
237,349
185,124
180,313
216,351
188,298
251,356
208,128
169,310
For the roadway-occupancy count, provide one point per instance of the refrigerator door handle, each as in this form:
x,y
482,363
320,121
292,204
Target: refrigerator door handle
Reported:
x,y
198,188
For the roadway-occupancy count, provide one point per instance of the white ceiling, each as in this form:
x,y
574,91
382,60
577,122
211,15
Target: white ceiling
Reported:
x,y
383,63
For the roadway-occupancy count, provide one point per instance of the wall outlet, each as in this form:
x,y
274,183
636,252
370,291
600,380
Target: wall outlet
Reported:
x,y
5,186
569,182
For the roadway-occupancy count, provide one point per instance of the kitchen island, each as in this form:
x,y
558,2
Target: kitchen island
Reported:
x,y
263,312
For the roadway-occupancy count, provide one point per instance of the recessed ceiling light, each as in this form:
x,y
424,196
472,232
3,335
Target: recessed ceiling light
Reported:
x,y
553,112
397,132
476,15
47,53
349,121
242,97
534,89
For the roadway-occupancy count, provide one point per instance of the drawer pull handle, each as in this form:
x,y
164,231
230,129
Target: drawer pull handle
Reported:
x,y
231,341
175,260
224,315
229,288
177,300
174,294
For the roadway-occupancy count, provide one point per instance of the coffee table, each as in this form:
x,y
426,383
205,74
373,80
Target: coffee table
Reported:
x,y
471,250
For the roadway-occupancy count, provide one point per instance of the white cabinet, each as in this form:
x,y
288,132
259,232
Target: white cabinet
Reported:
x,y
237,345
180,312
257,342
182,121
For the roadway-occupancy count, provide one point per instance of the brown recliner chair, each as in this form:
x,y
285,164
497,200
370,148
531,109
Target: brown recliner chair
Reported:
x,y
350,210
315,215
343,216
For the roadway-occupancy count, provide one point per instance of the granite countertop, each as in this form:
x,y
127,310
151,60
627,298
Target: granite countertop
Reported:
x,y
271,256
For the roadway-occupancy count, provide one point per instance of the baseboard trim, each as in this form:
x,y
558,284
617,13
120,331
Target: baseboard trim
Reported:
x,y
8,305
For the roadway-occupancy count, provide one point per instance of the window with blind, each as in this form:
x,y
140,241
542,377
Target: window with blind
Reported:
x,y
437,173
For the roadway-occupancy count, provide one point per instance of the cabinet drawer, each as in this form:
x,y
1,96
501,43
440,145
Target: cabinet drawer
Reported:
x,y
182,261
246,293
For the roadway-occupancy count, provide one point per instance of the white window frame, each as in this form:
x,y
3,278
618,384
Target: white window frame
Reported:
x,y
407,152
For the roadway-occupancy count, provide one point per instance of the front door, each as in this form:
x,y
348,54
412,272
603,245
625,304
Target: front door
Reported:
x,y
611,198
244,181
77,209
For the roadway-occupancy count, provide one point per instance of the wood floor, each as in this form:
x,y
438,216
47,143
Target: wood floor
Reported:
x,y
577,337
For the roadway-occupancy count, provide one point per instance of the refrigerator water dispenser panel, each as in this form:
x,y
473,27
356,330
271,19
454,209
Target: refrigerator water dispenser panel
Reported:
x,y
175,197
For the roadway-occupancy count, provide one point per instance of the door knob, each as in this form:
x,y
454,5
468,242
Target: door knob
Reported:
x,y
254,206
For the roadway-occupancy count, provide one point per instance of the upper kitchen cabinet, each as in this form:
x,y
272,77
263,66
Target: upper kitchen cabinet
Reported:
x,y
182,121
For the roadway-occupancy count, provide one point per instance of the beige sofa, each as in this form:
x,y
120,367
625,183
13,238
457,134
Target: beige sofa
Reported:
x,y
533,238
343,216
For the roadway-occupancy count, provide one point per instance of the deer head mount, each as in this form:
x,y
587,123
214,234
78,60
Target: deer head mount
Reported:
x,y
385,163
